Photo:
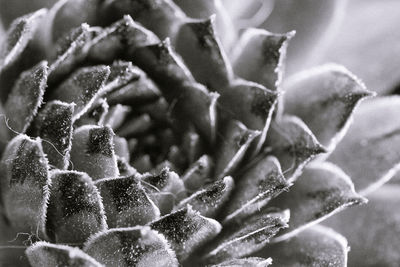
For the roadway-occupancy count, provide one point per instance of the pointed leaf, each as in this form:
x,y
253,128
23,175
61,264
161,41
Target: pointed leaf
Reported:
x,y
54,125
198,173
24,185
26,97
321,191
262,181
82,88
373,229
293,144
200,48
124,168
47,254
93,151
244,238
186,230
125,202
210,200
324,97
75,209
259,57
136,246
95,114
367,151
315,246
248,262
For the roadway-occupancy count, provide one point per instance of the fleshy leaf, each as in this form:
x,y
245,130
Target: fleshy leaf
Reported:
x,y
46,254
293,144
200,48
54,125
24,187
82,88
192,145
75,209
262,181
321,191
136,126
136,246
234,143
116,115
244,238
93,151
186,230
209,200
259,57
14,256
324,98
26,97
373,229
367,153
316,246
121,148
124,168
248,262
95,114
125,202
198,173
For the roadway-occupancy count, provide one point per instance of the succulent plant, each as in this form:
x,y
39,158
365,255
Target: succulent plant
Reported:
x,y
166,134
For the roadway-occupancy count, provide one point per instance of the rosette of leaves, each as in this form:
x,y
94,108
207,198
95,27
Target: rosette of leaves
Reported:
x,y
152,132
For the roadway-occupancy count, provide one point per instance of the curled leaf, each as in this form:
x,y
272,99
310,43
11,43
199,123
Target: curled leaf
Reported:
x,y
47,254
75,209
324,98
322,190
367,153
93,151
135,246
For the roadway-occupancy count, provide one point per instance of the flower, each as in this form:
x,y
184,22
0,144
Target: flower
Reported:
x,y
162,135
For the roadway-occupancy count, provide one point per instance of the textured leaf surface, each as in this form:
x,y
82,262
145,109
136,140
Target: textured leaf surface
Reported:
x,y
322,190
46,254
75,210
54,125
95,114
209,200
186,230
136,246
26,97
248,262
324,98
262,181
125,202
293,144
259,57
367,154
242,239
93,151
316,246
24,185
373,229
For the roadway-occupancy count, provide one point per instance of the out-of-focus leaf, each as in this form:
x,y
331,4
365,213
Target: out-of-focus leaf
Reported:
x,y
93,151
315,23
248,262
125,202
293,144
124,168
199,173
186,230
369,55
46,254
259,57
95,114
14,256
121,147
373,229
54,125
261,182
315,246
242,239
368,151
200,48
192,145
4,134
210,200
163,17
136,126
26,97
324,98
82,88
136,246
322,190
116,115
24,185
75,209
